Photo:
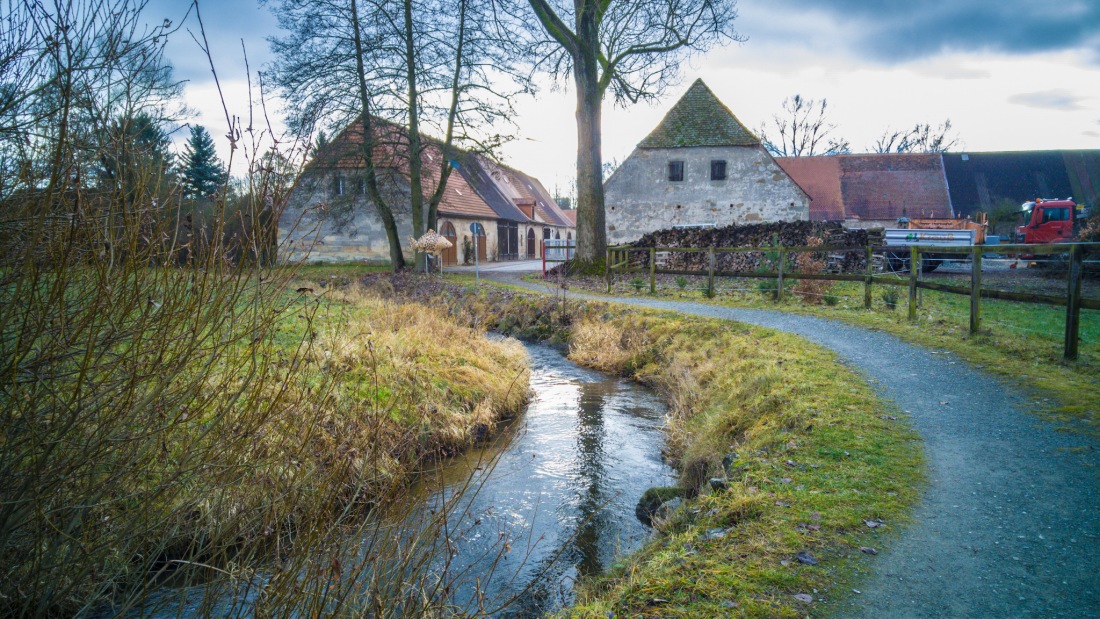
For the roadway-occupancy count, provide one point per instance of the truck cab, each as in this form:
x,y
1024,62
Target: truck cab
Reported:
x,y
1047,221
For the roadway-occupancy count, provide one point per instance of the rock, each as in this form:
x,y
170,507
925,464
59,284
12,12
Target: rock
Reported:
x,y
714,534
805,558
658,500
804,597
718,484
728,460
867,550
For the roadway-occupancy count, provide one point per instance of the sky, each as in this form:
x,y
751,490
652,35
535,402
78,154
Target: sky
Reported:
x,y
1009,74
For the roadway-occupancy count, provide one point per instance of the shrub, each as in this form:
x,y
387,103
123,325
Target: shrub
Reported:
x,y
831,299
768,288
890,298
681,282
638,284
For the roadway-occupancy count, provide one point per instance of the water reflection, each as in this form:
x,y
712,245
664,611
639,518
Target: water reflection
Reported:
x,y
557,505
563,492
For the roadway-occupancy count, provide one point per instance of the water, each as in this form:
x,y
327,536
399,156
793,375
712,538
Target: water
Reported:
x,y
564,489
551,500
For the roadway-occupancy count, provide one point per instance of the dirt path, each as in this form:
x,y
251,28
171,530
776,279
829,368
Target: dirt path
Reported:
x,y
1010,523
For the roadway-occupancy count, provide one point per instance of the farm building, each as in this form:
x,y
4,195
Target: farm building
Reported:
x,y
699,167
331,216
877,189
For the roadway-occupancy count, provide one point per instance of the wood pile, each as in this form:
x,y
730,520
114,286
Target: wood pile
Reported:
x,y
785,234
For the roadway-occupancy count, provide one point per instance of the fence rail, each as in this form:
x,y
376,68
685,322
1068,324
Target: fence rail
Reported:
x,y
618,260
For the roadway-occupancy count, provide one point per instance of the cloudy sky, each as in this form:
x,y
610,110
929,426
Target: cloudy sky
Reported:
x,y
1009,74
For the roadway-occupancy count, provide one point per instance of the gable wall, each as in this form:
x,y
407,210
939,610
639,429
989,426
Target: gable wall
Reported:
x,y
640,198
335,228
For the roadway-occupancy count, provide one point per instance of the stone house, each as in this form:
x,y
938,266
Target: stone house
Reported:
x,y
699,167
330,216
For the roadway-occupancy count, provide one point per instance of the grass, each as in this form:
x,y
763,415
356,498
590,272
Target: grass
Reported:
x,y
805,452
1021,343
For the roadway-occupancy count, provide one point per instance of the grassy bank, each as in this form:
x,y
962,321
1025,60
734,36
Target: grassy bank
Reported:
x,y
1021,343
802,454
220,424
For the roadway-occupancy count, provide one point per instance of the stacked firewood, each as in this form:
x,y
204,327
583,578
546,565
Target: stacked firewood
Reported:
x,y
766,235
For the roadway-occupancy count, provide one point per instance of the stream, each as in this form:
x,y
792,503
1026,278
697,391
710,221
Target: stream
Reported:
x,y
565,486
550,500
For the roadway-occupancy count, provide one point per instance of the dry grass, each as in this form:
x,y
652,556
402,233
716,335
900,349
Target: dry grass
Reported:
x,y
805,449
809,455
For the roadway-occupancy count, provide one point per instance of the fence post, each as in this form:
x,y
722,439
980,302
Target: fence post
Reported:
x,y
870,275
914,268
975,289
710,273
779,277
607,268
653,270
1073,302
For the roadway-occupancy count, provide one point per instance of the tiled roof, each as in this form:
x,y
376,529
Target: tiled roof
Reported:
x,y
819,177
699,119
888,186
979,181
571,215
873,186
471,190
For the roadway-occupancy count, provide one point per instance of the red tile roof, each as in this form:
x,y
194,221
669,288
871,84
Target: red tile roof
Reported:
x,y
459,197
872,186
820,178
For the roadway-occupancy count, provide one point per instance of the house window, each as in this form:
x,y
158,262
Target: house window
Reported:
x,y
675,171
717,169
360,187
338,186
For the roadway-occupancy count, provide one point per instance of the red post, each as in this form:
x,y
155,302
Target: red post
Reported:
x,y
543,243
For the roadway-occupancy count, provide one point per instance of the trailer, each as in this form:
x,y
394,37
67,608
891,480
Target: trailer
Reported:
x,y
932,232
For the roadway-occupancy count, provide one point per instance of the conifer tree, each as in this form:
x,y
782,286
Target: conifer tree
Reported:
x,y
203,173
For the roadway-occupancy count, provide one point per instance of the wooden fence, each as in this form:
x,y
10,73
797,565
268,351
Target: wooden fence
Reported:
x,y
618,260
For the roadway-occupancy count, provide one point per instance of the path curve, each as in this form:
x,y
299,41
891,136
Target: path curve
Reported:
x,y
1010,523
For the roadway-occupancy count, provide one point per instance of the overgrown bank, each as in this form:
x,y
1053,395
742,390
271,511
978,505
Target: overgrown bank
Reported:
x,y
225,427
796,465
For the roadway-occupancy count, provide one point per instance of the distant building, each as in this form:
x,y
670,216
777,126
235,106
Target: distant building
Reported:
x,y
874,189
700,166
877,189
331,216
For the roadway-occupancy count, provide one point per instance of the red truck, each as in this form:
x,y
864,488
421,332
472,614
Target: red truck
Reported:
x,y
1048,221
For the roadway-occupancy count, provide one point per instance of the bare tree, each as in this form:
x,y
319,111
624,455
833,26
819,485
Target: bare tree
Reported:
x,y
803,130
632,47
399,68
922,138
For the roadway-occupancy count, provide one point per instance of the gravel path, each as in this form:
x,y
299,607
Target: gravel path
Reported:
x,y
1010,523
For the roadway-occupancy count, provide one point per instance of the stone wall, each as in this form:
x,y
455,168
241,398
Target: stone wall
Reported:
x,y
641,199
318,225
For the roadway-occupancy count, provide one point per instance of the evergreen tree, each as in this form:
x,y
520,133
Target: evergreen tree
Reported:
x,y
134,150
202,171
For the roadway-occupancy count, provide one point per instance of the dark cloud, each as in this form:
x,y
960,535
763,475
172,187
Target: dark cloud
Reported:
x,y
1058,99
903,29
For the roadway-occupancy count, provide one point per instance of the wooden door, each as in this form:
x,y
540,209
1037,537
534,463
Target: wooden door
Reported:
x,y
530,243
450,255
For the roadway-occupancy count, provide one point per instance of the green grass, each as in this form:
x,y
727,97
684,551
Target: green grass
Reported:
x,y
1021,343
812,454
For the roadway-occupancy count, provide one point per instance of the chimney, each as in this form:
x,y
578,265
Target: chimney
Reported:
x,y
527,206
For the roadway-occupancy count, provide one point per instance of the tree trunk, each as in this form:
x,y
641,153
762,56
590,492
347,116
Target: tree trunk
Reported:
x,y
416,183
591,231
397,258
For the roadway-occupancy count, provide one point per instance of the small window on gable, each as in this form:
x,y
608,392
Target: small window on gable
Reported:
x,y
675,171
718,169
